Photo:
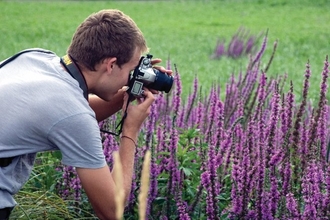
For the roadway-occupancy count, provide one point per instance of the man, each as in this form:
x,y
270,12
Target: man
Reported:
x,y
43,108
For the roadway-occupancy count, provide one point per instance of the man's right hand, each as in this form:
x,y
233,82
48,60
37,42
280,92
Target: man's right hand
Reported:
x,y
136,114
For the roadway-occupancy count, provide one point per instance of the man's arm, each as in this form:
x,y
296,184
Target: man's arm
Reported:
x,y
104,109
99,184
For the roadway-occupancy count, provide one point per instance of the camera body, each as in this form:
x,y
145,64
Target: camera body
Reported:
x,y
145,75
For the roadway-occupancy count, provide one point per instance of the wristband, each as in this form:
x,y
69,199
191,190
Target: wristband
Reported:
x,y
124,136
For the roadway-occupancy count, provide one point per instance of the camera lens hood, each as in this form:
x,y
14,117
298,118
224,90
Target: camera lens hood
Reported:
x,y
163,82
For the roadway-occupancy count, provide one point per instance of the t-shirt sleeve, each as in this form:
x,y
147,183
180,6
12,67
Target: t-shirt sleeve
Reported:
x,y
78,138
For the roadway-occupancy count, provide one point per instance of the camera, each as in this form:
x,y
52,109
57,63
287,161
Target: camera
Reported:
x,y
145,75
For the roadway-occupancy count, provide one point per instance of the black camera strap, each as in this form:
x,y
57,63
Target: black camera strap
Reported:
x,y
20,53
121,123
75,72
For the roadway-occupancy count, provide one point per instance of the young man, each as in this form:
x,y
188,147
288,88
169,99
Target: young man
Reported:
x,y
44,107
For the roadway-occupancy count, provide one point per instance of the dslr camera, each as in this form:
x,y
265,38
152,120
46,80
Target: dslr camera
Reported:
x,y
145,75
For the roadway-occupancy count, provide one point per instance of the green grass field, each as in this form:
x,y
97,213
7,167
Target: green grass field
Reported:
x,y
186,31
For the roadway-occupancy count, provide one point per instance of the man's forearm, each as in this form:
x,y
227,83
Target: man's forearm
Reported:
x,y
104,109
127,156
101,185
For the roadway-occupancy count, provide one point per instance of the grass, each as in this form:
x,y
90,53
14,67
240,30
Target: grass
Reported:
x,y
186,31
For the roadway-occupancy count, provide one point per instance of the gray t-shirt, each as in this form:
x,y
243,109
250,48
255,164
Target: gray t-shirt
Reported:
x,y
42,108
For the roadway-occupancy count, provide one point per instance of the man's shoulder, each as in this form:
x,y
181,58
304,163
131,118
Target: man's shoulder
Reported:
x,y
33,53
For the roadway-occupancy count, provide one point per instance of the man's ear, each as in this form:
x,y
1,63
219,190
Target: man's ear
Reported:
x,y
110,62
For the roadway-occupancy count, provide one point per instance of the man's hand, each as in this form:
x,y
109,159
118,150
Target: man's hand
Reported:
x,y
160,68
136,114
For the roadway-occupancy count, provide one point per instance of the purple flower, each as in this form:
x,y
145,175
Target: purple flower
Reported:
x,y
212,114
70,187
219,49
153,189
182,207
292,207
251,215
322,133
322,111
287,113
236,47
249,44
207,184
274,194
109,146
311,191
260,181
326,197
260,53
297,123
209,181
177,100
286,176
241,43
190,104
272,127
266,206
276,158
174,179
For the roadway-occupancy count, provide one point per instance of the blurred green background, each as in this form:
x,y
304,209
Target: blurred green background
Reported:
x,y
187,32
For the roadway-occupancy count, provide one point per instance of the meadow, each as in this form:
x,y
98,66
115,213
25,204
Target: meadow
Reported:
x,y
186,31
264,154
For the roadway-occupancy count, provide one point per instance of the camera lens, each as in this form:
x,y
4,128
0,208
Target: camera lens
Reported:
x,y
163,82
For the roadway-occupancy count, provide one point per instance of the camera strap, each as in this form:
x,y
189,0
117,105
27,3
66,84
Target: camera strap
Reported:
x,y
20,53
121,123
75,72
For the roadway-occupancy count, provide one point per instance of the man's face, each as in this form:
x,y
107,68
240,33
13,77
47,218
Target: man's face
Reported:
x,y
118,77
